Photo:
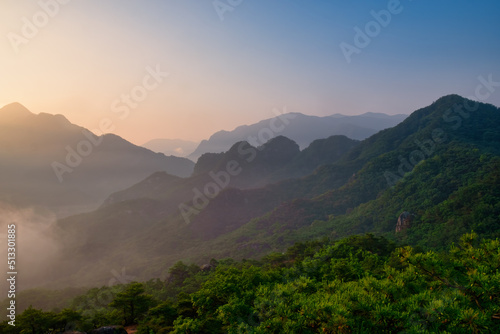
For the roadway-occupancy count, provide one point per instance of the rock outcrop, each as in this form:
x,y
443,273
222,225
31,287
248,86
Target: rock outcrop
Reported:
x,y
404,221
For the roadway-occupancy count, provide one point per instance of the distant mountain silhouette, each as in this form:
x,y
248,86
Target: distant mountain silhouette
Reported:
x,y
278,159
47,161
154,203
303,129
175,147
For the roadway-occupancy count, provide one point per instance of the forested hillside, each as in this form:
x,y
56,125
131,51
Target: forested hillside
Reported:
x,y
361,284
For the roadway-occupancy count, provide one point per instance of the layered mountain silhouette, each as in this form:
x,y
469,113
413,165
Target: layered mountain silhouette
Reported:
x,y
441,164
303,129
175,147
157,203
47,161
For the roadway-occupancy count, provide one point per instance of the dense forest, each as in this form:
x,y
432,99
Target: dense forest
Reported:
x,y
360,284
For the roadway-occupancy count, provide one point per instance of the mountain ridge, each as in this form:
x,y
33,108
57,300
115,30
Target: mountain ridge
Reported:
x,y
44,153
301,128
349,196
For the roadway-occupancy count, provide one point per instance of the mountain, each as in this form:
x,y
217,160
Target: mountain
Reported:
x,y
303,129
441,165
257,168
157,211
254,168
47,161
176,147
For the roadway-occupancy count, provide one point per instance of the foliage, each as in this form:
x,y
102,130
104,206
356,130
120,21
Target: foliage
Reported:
x,y
132,302
360,284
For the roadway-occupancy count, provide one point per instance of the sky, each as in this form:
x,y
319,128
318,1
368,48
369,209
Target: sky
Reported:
x,y
188,68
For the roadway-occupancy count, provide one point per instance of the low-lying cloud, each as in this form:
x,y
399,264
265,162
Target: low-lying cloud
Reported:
x,y
36,249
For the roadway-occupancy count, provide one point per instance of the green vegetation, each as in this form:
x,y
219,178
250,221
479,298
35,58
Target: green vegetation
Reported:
x,y
444,171
360,284
131,302
295,256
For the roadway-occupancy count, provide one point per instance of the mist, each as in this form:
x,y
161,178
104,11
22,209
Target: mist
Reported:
x,y
36,248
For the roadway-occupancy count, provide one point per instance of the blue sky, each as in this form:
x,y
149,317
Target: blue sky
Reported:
x,y
263,55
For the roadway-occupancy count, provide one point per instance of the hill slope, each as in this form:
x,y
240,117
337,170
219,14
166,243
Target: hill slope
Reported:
x,y
150,214
446,174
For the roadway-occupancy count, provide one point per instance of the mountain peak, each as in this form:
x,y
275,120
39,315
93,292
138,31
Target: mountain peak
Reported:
x,y
280,142
451,98
14,111
279,151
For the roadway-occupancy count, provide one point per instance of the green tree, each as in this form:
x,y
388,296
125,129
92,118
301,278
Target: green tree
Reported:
x,y
67,319
5,328
34,321
132,302
160,319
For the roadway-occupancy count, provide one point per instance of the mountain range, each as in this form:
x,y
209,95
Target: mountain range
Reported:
x,y
441,165
303,129
48,162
